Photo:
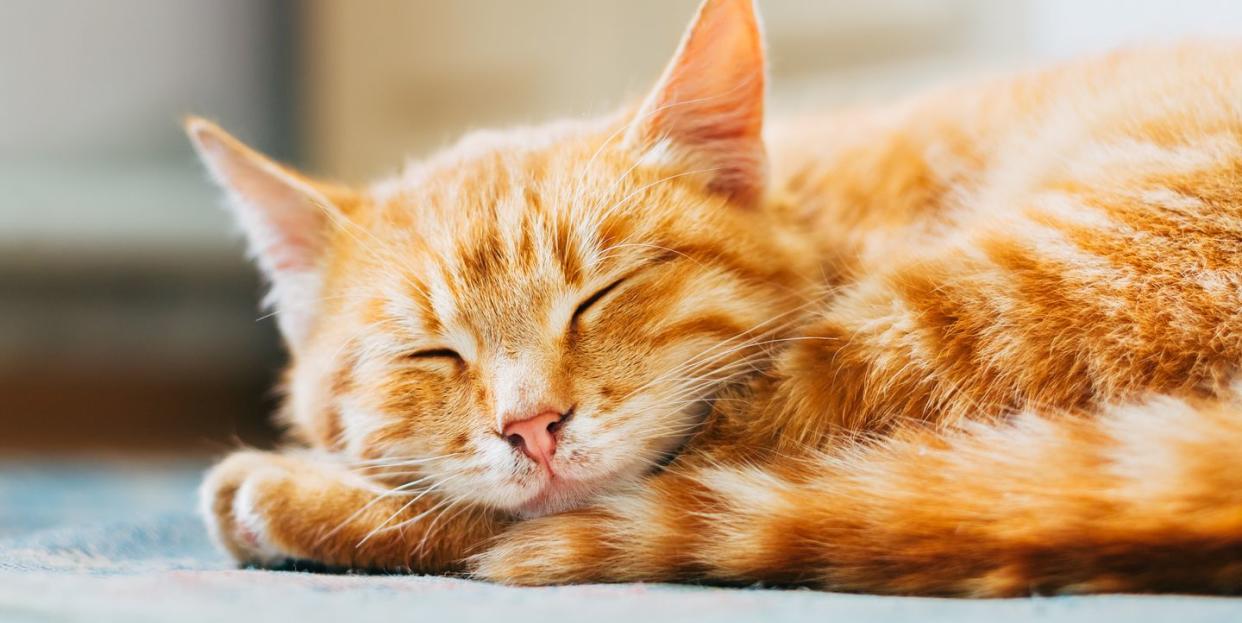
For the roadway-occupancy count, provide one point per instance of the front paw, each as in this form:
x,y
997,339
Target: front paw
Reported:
x,y
235,500
566,548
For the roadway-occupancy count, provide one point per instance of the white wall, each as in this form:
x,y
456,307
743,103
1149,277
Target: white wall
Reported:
x,y
1061,28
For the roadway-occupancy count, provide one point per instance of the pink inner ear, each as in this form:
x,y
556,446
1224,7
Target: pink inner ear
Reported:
x,y
283,216
710,99
294,254
293,232
278,211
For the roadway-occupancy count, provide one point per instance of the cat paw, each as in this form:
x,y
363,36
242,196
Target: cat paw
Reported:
x,y
567,548
235,500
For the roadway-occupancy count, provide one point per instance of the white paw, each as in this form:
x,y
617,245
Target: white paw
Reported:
x,y
234,507
250,526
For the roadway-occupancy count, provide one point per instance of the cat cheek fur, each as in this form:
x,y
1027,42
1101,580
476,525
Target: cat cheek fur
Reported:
x,y
635,373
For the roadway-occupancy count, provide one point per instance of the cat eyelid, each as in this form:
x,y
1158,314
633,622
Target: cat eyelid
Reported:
x,y
595,298
435,353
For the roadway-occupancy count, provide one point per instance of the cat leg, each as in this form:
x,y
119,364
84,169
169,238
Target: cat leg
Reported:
x,y
1143,498
265,508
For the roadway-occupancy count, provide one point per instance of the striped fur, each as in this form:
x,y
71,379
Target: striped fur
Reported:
x,y
982,342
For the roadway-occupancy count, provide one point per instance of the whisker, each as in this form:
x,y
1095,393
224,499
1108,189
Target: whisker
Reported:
x,y
403,460
708,356
376,500
430,529
380,528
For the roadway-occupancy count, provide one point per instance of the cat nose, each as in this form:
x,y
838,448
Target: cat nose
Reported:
x,y
535,435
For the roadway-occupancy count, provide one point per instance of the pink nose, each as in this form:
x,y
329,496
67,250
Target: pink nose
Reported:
x,y
536,436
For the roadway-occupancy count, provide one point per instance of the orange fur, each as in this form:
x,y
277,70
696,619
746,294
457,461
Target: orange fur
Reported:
x,y
983,342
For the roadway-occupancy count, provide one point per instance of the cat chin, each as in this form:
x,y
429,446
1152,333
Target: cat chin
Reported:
x,y
558,495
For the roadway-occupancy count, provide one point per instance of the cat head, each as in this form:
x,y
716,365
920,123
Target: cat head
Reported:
x,y
537,315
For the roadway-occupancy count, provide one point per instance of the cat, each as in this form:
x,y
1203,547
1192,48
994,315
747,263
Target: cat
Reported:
x,y
982,342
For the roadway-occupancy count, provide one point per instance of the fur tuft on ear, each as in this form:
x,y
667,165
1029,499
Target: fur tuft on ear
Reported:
x,y
708,104
286,218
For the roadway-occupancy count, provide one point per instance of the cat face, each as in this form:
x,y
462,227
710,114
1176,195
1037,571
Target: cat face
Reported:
x,y
534,316
512,284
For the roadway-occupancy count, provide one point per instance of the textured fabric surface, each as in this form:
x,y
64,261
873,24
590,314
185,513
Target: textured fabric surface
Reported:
x,y
116,542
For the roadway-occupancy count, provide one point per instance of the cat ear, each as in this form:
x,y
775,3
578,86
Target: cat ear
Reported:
x,y
286,218
708,105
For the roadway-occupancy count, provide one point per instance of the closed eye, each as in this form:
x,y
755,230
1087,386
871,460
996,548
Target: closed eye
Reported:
x,y
594,298
435,353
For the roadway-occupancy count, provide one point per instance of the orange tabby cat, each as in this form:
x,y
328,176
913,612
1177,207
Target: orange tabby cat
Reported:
x,y
979,343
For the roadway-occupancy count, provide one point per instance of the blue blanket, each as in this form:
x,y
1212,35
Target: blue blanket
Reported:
x,y
119,542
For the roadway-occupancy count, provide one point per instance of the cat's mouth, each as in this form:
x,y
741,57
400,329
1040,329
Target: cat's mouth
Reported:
x,y
558,494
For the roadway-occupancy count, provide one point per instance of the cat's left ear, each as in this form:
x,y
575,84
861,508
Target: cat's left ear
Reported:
x,y
708,105
287,219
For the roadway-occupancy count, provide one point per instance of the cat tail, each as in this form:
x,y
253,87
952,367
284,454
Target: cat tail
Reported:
x,y
1145,497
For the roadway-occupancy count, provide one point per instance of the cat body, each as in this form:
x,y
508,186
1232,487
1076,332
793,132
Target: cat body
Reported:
x,y
981,342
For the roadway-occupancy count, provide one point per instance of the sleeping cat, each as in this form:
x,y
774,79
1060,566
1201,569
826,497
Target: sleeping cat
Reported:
x,y
982,342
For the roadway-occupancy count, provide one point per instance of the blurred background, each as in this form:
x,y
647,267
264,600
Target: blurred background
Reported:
x,y
128,317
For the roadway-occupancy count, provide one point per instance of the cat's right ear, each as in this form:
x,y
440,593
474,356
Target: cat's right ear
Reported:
x,y
708,105
286,218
